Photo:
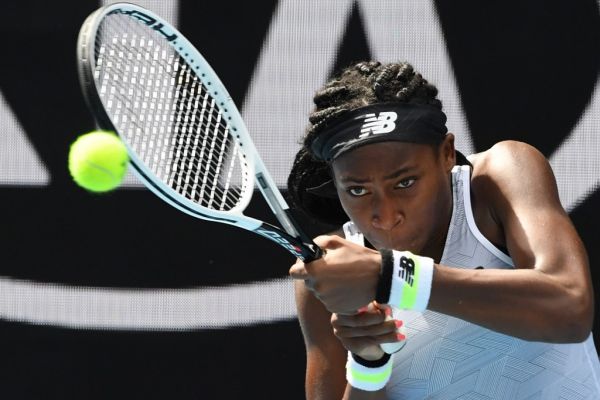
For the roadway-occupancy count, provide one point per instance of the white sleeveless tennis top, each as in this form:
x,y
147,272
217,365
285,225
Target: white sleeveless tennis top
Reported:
x,y
448,358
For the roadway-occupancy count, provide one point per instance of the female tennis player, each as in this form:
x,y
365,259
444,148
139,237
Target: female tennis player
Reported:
x,y
476,257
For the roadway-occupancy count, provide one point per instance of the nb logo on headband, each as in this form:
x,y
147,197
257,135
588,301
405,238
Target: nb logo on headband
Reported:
x,y
374,125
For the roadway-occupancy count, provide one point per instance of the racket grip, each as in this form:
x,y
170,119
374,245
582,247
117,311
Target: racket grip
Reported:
x,y
391,348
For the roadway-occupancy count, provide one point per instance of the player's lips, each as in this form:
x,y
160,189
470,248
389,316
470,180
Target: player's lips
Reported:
x,y
396,242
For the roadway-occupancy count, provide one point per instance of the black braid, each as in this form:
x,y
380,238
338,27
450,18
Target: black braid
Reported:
x,y
307,173
361,84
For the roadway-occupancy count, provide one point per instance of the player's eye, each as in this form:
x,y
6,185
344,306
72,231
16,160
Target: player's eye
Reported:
x,y
357,191
406,183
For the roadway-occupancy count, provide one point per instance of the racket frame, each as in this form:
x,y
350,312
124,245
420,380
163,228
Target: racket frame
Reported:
x,y
291,236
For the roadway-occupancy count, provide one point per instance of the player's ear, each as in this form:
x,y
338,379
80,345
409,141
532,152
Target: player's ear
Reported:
x,y
447,152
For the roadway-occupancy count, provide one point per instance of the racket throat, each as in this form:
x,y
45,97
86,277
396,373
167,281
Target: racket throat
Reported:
x,y
276,202
295,246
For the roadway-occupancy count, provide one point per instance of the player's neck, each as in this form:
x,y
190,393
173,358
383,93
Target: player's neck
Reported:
x,y
435,246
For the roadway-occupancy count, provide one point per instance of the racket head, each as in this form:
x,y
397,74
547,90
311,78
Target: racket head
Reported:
x,y
140,76
128,58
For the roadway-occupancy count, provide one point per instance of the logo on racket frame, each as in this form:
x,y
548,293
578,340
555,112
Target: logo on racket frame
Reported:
x,y
148,20
277,238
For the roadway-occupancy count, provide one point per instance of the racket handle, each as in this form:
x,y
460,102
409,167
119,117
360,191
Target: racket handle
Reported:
x,y
392,348
317,253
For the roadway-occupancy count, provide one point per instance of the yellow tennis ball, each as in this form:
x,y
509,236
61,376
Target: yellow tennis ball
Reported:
x,y
98,161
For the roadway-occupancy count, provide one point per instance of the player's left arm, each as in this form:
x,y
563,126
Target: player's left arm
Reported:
x,y
549,295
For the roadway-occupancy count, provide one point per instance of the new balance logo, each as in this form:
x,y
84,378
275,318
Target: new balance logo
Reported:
x,y
383,123
407,270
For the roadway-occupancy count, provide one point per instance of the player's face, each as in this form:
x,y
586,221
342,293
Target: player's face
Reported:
x,y
398,194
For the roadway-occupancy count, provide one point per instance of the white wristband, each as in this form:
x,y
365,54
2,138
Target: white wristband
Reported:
x,y
371,377
411,281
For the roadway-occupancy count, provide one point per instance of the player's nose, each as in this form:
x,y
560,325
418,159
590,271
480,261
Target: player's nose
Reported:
x,y
386,213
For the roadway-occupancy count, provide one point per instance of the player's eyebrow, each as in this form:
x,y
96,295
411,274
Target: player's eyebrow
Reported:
x,y
393,175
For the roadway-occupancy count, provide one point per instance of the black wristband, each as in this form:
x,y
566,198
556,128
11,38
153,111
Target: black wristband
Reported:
x,y
372,363
384,286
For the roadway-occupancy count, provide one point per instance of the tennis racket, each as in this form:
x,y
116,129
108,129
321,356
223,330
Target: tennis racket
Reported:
x,y
185,137
186,140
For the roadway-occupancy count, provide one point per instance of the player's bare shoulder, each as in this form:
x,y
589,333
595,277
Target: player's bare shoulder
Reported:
x,y
512,165
513,177
509,174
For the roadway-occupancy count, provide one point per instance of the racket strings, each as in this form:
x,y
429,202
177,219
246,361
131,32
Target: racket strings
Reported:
x,y
167,116
181,142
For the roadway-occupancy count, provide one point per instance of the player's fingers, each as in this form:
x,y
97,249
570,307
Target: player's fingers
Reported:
x,y
365,347
357,320
298,271
382,307
367,315
391,337
330,242
387,330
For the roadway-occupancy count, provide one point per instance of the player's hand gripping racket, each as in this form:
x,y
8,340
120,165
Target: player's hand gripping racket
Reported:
x,y
186,139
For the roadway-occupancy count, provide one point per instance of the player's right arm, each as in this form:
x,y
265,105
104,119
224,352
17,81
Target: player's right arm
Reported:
x,y
325,355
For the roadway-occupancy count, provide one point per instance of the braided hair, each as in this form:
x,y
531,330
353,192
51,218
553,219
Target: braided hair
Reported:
x,y
356,86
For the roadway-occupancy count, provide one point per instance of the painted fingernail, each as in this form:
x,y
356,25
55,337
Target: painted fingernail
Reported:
x,y
398,323
388,311
363,309
400,336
